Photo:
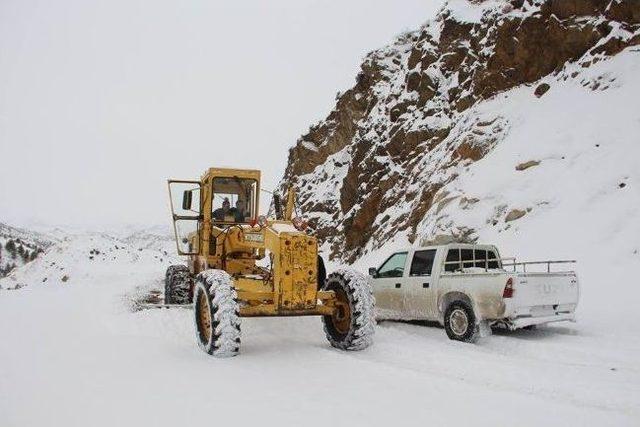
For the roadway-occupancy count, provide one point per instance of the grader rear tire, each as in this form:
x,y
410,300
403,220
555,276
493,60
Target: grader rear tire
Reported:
x,y
178,285
216,314
353,325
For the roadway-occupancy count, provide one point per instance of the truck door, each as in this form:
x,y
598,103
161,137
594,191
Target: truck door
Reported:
x,y
387,286
421,293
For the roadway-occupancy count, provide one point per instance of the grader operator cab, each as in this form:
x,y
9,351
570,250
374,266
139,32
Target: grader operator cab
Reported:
x,y
242,264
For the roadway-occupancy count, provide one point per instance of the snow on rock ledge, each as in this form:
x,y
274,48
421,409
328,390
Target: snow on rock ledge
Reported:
x,y
389,160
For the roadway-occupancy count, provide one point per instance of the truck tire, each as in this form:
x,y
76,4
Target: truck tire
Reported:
x,y
216,314
353,325
460,322
178,285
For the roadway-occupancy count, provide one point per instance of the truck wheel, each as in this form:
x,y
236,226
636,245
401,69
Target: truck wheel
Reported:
x,y
216,314
460,322
352,326
178,285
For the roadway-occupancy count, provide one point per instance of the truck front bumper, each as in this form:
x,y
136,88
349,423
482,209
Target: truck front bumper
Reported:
x,y
522,322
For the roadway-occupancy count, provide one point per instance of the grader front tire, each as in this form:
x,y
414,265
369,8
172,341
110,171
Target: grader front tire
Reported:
x,y
216,314
353,325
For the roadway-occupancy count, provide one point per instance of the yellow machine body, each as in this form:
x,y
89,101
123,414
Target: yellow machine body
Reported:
x,y
274,265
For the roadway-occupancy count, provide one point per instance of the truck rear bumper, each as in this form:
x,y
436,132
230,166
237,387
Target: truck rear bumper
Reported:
x,y
522,322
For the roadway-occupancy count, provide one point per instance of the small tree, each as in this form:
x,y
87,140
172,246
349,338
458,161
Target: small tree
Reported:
x,y
10,246
8,268
26,256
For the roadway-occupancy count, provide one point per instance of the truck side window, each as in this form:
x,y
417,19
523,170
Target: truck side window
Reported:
x,y
481,256
393,266
452,255
467,255
493,265
422,263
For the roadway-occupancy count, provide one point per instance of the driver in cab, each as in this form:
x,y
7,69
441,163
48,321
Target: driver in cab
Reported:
x,y
239,212
220,213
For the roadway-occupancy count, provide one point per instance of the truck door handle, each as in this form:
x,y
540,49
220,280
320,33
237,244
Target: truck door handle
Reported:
x,y
398,285
425,285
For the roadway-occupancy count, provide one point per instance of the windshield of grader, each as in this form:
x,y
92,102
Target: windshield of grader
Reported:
x,y
234,200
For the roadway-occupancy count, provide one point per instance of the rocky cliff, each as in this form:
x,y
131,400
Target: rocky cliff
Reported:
x,y
388,155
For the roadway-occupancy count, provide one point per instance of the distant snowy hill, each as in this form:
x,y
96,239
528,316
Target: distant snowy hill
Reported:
x,y
19,247
76,258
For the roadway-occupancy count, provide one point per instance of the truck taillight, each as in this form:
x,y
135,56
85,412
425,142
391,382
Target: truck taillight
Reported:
x,y
508,289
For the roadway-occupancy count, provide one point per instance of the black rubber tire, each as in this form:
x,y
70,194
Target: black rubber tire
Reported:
x,y
221,337
355,288
178,285
470,334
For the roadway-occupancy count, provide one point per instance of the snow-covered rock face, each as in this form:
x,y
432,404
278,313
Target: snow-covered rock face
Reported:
x,y
404,154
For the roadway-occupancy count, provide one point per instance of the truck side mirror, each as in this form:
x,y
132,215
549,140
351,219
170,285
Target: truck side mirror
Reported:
x,y
373,272
186,200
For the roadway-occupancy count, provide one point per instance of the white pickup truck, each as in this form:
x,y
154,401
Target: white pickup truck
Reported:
x,y
469,288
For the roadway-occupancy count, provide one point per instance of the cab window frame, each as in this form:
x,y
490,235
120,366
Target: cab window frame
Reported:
x,y
250,205
433,253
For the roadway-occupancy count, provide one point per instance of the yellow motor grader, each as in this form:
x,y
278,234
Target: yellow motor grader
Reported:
x,y
242,264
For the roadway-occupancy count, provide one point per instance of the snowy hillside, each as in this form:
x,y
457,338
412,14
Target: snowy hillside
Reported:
x,y
77,258
80,351
19,247
437,142
546,81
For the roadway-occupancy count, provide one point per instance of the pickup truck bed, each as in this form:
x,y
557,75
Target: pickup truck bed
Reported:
x,y
543,298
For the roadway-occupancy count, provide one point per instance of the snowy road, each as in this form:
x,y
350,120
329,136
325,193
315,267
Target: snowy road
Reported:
x,y
75,355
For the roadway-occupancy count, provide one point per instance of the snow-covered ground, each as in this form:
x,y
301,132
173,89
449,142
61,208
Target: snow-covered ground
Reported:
x,y
74,353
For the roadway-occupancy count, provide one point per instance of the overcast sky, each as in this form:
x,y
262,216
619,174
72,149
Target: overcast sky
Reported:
x,y
102,101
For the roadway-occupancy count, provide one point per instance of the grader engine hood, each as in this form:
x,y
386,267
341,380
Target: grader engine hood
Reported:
x,y
295,263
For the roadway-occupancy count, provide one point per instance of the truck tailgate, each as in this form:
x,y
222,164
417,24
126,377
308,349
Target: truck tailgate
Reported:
x,y
550,292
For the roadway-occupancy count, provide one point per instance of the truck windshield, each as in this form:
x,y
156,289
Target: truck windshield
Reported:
x,y
234,200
